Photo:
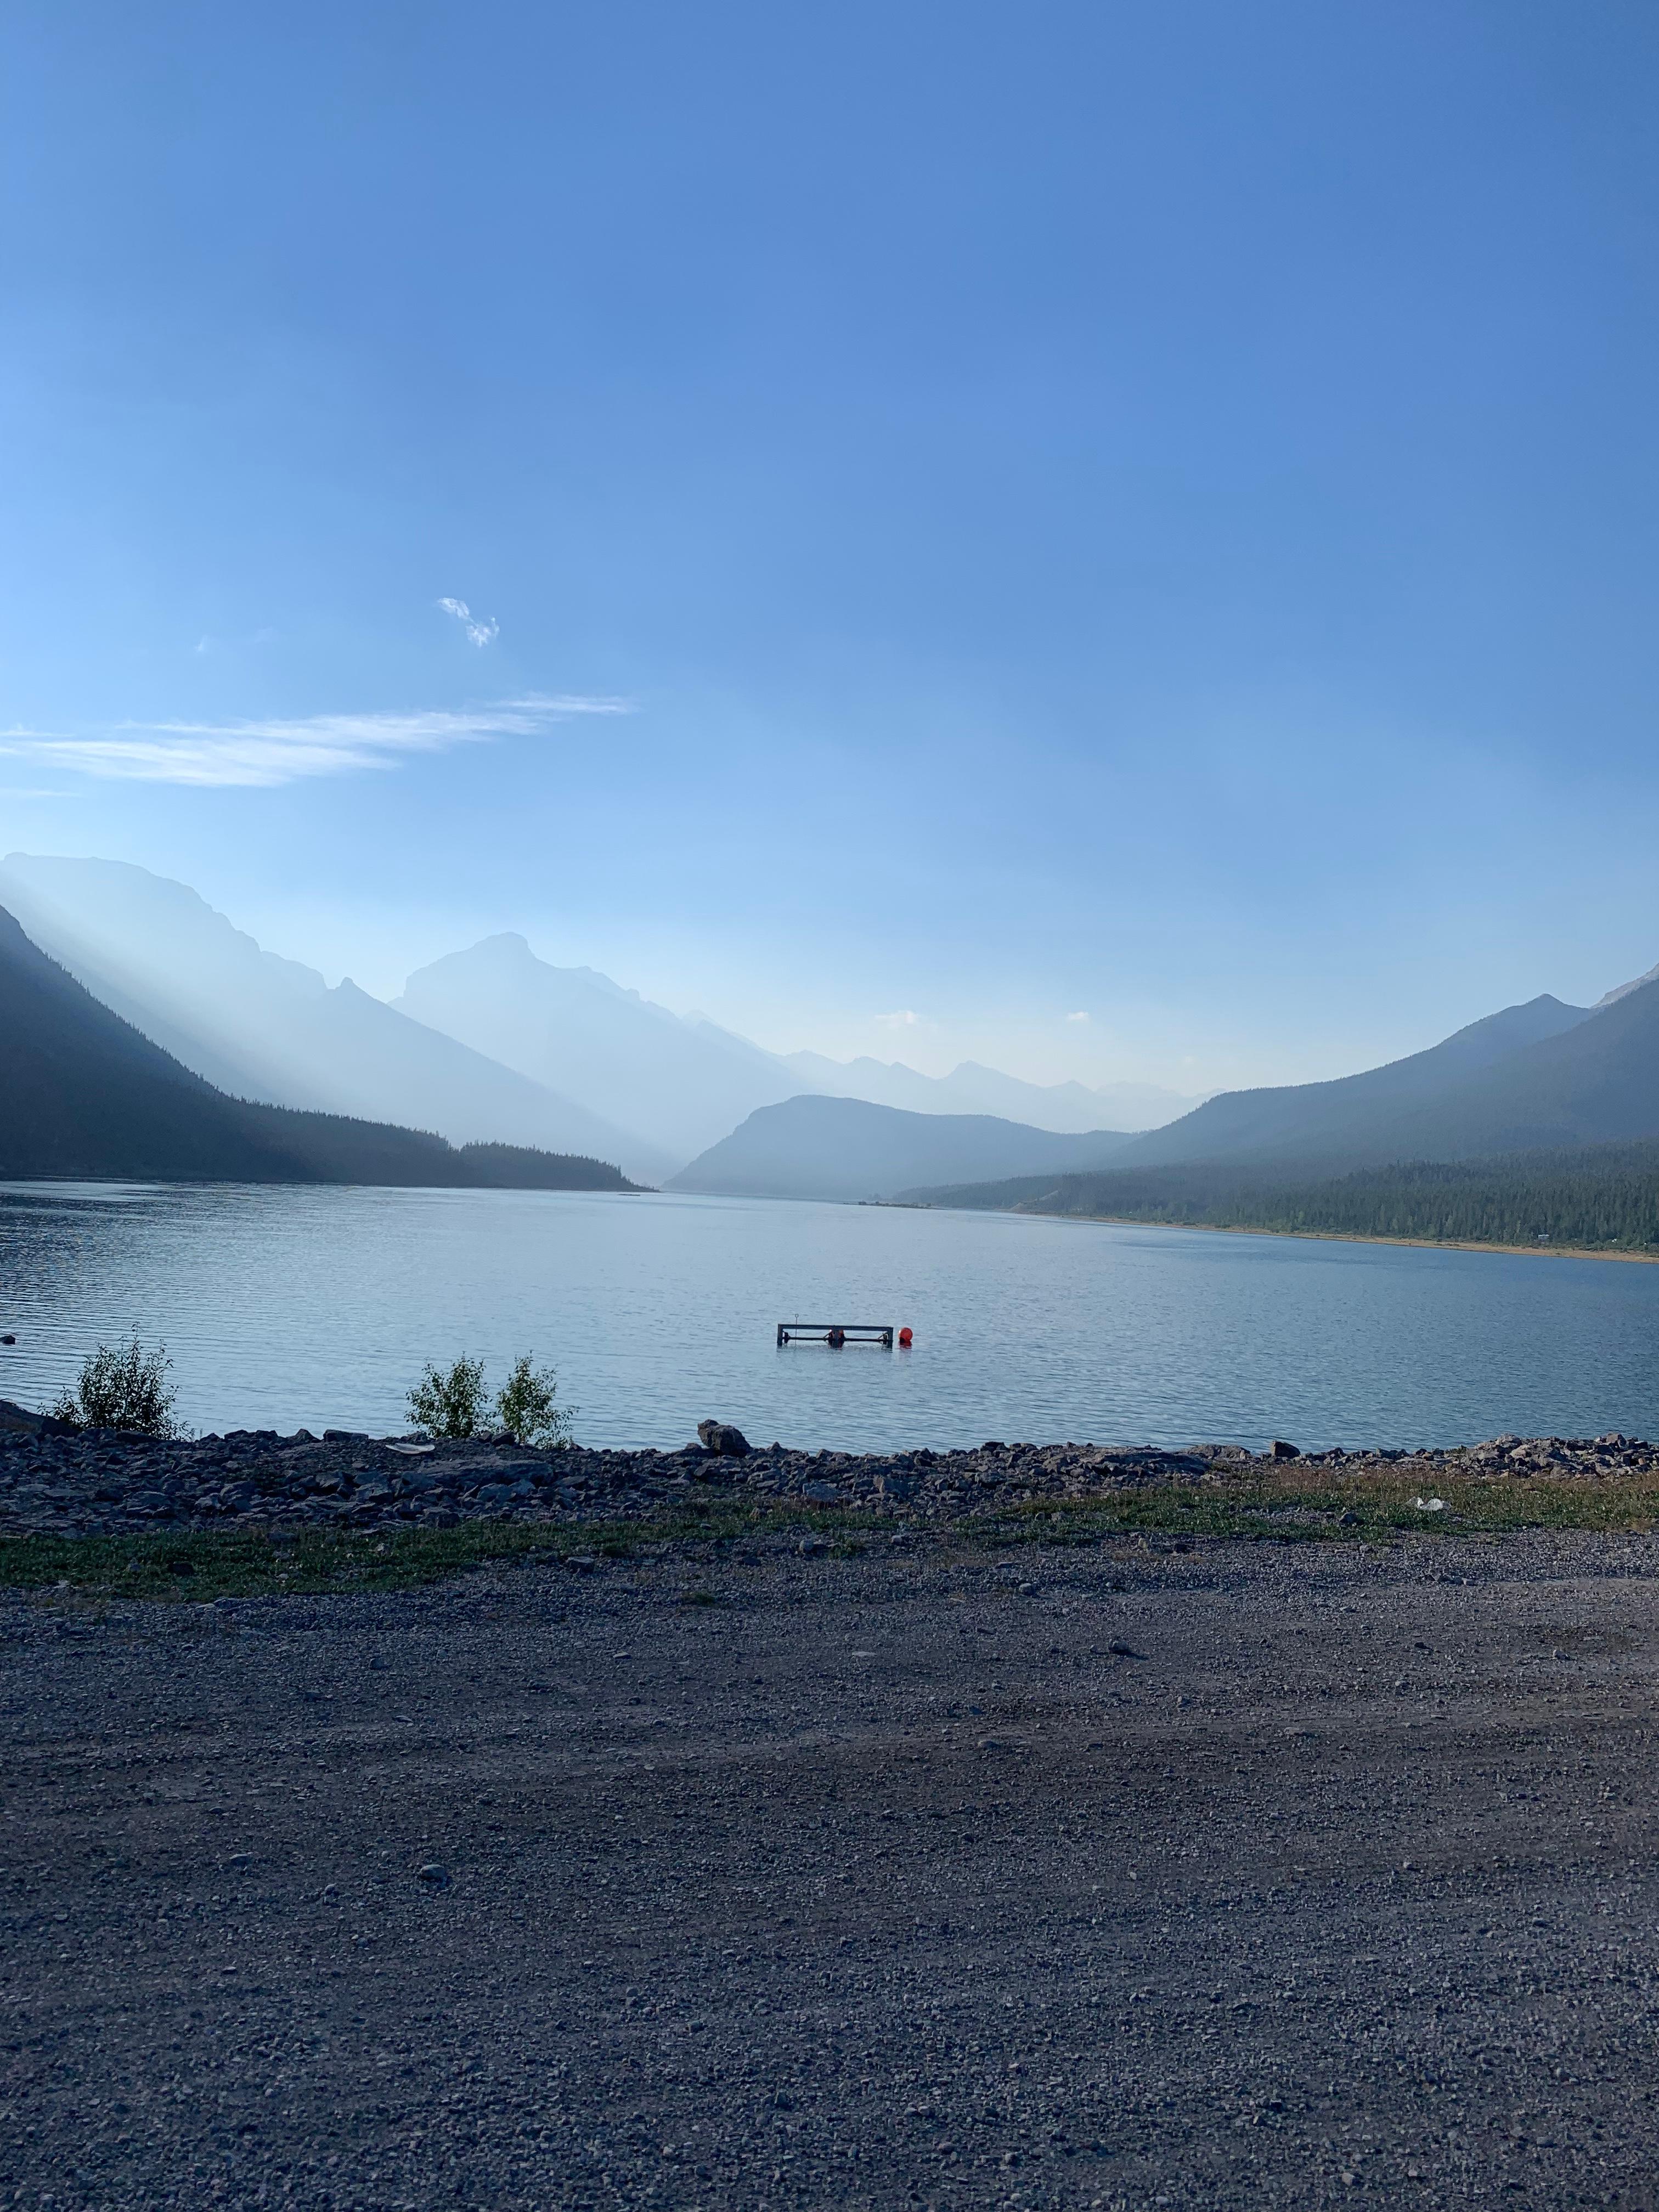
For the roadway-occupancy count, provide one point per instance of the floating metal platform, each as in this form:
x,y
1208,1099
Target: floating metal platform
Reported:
x,y
837,1332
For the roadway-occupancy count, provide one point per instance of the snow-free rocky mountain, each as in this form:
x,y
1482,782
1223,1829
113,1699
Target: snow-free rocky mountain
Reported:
x,y
85,1095
488,1044
1356,1117
679,1084
848,1149
685,1082
1075,1108
260,1027
1624,990
1540,1076
495,1046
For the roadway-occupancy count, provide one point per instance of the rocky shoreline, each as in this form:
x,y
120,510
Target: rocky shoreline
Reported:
x,y
58,1481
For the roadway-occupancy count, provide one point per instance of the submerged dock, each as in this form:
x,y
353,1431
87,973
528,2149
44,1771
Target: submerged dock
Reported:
x,y
835,1333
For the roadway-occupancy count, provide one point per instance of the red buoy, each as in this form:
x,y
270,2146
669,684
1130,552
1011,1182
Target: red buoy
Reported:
x,y
904,1339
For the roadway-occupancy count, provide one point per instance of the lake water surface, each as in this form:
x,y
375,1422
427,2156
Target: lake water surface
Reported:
x,y
283,1307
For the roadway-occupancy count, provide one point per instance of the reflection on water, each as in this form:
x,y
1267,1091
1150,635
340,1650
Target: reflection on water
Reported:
x,y
289,1306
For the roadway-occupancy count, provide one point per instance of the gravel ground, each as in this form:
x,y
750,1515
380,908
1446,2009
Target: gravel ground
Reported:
x,y
1244,1876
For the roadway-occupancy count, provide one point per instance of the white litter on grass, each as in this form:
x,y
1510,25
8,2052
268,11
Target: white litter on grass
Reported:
x,y
1430,1504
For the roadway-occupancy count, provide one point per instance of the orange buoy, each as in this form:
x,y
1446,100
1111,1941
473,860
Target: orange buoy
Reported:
x,y
904,1339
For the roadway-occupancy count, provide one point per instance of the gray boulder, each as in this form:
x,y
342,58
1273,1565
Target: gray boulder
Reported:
x,y
722,1439
16,1419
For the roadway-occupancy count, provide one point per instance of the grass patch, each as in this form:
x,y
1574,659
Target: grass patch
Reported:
x,y
197,1566
1367,1507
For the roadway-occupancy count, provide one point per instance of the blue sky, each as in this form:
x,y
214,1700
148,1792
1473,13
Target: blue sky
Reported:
x,y
1144,512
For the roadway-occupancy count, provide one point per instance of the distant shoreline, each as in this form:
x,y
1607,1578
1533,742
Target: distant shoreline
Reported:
x,y
1328,1236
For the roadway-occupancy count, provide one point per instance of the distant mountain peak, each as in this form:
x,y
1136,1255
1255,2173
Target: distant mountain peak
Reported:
x,y
115,902
509,957
1624,990
505,946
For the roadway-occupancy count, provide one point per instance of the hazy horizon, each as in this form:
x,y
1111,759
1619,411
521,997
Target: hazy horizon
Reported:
x,y
488,1043
906,1048
1108,544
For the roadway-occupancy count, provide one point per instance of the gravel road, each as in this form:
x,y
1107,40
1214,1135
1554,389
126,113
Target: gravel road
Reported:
x,y
1241,1876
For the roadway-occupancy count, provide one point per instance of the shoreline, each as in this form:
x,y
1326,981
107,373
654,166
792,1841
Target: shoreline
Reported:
x,y
95,1486
1329,1236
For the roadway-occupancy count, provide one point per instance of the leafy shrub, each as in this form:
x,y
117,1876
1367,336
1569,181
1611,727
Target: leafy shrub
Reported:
x,y
122,1387
527,1403
449,1404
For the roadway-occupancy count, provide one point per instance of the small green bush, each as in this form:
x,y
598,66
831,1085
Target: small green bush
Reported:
x,y
122,1387
449,1404
527,1403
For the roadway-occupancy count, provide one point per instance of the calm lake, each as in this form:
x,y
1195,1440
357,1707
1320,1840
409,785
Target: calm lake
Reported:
x,y
318,1307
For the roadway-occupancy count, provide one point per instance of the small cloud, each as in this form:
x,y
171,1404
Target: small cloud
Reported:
x,y
1077,1018
480,629
272,752
906,1018
203,645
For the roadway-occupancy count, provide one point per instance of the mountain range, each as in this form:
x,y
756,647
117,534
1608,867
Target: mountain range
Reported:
x,y
1535,1078
1538,1075
494,1046
683,1083
676,1086
1074,1107
85,1095
1367,1116
488,1043
266,1029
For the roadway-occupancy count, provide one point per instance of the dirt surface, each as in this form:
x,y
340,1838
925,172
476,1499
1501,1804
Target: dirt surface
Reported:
x,y
1242,1876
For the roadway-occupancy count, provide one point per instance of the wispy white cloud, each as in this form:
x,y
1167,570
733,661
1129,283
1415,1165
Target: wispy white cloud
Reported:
x,y
481,628
907,1017
282,751
1077,1018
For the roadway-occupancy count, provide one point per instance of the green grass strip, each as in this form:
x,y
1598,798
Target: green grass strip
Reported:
x,y
197,1566
1367,1507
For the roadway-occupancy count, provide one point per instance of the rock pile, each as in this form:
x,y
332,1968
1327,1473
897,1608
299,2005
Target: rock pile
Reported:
x,y
85,1482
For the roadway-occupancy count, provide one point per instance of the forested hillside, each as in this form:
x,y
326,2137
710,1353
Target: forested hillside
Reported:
x,y
1598,1198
